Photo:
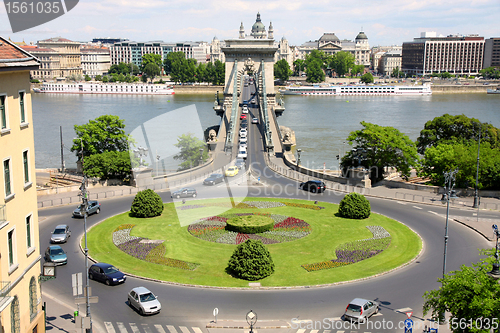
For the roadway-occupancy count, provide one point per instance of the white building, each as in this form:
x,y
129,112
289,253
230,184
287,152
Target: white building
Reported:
x,y
95,60
390,61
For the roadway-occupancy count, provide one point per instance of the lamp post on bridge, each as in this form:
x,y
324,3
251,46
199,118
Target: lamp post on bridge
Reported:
x,y
495,272
298,156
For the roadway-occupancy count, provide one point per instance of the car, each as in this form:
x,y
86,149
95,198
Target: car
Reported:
x,y
56,255
254,101
243,132
255,120
184,193
106,273
93,207
60,234
243,116
240,163
243,139
242,154
142,299
313,186
244,109
231,171
360,309
243,125
213,179
242,146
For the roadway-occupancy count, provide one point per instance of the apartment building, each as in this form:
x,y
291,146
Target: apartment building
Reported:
x,y
492,52
95,60
389,61
68,53
456,54
20,290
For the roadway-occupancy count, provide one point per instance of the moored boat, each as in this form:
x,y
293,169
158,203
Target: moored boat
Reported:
x,y
424,89
108,88
493,91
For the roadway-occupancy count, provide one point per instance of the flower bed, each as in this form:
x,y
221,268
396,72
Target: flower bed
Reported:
x,y
353,252
285,229
250,204
145,249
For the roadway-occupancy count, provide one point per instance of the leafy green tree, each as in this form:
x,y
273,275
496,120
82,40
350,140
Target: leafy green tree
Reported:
x,y
490,73
251,261
190,151
201,73
342,62
105,133
367,78
397,73
87,78
469,295
151,58
445,75
357,69
299,65
152,70
98,78
282,70
385,147
219,74
105,79
146,203
458,128
171,58
314,72
108,165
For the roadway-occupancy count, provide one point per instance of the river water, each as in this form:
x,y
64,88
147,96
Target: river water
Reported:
x,y
321,123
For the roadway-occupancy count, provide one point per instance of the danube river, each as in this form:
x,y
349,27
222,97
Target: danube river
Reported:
x,y
321,123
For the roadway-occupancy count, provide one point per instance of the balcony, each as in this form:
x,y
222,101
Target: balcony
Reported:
x,y
5,298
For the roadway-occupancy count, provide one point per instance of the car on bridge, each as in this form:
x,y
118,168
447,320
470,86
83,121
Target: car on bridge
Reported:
x,y
243,132
313,186
231,171
255,120
242,154
213,179
243,116
184,193
240,163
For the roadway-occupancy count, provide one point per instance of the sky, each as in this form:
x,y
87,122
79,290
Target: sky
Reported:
x,y
385,22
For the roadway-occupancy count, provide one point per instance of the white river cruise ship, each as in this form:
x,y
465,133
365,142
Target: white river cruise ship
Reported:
x,y
107,88
358,90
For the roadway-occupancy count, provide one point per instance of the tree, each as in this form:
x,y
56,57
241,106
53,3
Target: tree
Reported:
x,y
105,133
457,129
98,78
357,69
147,203
314,72
251,261
354,206
219,73
108,165
201,73
490,73
367,78
470,295
299,65
190,151
171,58
152,58
385,147
105,79
397,73
445,75
87,78
342,62
152,70
282,70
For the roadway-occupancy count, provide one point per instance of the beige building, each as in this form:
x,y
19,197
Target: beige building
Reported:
x,y
20,292
50,64
68,52
390,61
95,60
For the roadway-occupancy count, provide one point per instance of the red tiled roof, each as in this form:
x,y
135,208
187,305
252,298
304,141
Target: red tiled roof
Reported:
x,y
9,51
12,56
57,40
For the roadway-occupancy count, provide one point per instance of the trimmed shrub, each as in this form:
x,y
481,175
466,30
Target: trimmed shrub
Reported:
x,y
354,206
251,261
250,224
147,203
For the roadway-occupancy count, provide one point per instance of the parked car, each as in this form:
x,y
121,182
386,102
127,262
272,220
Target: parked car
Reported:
x,y
243,116
93,206
144,301
240,163
213,179
243,139
60,234
56,255
184,193
231,171
360,309
242,154
255,120
313,186
106,273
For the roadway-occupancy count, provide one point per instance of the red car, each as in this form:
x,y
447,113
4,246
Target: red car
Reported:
x,y
243,116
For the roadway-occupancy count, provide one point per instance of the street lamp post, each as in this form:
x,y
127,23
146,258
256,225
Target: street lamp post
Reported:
x,y
201,156
476,192
449,183
495,272
83,209
298,156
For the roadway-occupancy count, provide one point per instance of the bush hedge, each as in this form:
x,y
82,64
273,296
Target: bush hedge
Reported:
x,y
354,206
251,261
147,203
250,224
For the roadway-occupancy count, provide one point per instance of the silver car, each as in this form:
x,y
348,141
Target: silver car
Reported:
x,y
144,301
360,310
60,234
93,206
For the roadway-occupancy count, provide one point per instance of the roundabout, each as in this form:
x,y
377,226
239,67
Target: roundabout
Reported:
x,y
309,243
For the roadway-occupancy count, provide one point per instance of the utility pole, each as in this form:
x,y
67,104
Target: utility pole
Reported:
x,y
476,191
83,209
62,152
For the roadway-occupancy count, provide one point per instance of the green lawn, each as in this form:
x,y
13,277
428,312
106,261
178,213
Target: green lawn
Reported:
x,y
328,231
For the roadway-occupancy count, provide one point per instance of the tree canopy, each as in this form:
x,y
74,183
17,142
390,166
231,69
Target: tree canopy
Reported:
x,y
105,133
171,58
367,78
315,72
282,70
384,147
152,70
342,62
108,165
152,58
189,153
299,65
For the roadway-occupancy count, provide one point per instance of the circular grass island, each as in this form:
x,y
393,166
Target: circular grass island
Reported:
x,y
309,243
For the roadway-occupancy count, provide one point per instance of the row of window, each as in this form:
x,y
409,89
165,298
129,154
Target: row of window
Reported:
x,y
15,316
4,115
7,173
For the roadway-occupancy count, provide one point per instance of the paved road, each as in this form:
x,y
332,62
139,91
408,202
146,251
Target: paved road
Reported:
x,y
187,309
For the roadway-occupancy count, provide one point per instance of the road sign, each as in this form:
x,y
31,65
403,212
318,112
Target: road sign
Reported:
x,y
76,282
409,314
83,300
258,179
408,325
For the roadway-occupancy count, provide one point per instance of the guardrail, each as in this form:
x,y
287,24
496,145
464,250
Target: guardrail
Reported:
x,y
453,202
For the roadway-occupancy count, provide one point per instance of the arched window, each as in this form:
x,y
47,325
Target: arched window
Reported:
x,y
33,298
15,318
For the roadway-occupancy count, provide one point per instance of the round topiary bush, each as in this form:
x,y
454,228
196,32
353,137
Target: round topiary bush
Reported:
x,y
251,261
250,224
147,203
354,206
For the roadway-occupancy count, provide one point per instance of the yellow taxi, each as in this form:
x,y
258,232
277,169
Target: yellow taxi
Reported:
x,y
231,171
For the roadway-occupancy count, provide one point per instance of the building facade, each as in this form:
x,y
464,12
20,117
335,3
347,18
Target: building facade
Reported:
x,y
50,63
458,55
95,60
67,51
389,61
20,290
492,52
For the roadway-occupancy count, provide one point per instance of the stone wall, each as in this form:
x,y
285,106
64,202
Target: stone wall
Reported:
x,y
179,90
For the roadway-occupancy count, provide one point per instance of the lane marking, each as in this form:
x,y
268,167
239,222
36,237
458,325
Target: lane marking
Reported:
x,y
197,330
184,329
109,327
416,207
403,310
146,328
313,331
121,327
134,327
301,330
401,203
171,329
159,328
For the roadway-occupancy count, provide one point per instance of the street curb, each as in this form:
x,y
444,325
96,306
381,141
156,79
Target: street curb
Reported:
x,y
215,325
473,228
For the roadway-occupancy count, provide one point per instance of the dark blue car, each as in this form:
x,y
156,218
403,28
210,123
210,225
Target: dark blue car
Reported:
x,y
106,273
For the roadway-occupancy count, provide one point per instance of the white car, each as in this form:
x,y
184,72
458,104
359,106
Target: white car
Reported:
x,y
244,110
242,146
242,154
144,301
255,120
243,139
243,132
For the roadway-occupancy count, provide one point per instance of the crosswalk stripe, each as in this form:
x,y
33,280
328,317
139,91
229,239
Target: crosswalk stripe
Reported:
x,y
134,328
121,328
197,330
171,329
109,327
326,331
417,207
184,329
146,328
313,331
340,331
300,330
159,328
